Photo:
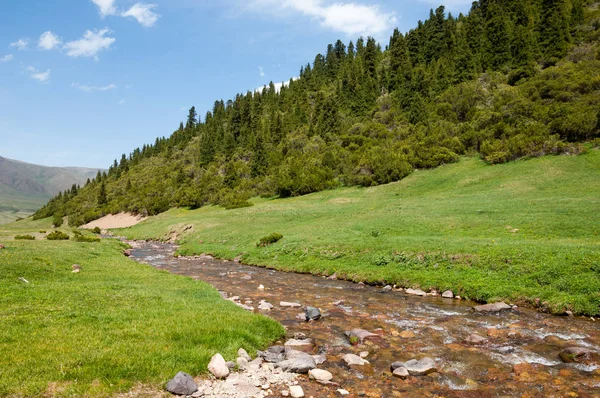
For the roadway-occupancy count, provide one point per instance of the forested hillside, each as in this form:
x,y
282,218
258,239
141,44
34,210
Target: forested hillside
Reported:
x,y
512,79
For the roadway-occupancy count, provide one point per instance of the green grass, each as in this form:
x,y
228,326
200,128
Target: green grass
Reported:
x,y
14,205
114,325
454,227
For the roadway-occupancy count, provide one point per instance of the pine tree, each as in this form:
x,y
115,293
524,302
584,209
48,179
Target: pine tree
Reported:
x,y
102,199
554,30
192,118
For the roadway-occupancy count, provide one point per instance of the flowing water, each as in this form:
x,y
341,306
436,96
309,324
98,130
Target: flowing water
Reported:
x,y
520,359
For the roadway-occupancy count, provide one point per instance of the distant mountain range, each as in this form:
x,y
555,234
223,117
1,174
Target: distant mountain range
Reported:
x,y
26,187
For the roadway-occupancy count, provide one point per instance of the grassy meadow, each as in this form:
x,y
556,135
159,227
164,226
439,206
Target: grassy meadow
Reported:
x,y
111,327
518,231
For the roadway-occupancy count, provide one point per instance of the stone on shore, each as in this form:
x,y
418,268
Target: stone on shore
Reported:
x,y
448,294
297,362
244,354
401,372
494,307
286,304
320,375
182,384
265,306
218,367
362,335
296,392
300,343
416,292
273,354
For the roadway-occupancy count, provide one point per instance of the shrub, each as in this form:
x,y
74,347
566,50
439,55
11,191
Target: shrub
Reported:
x,y
86,239
24,237
57,221
58,235
269,240
97,230
42,232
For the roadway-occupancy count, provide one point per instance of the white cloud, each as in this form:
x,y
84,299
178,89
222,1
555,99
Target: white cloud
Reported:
x,y
90,45
350,18
88,88
42,77
277,85
106,7
261,71
143,14
6,58
49,40
20,44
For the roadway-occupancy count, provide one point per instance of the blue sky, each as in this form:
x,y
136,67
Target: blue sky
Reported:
x,y
83,81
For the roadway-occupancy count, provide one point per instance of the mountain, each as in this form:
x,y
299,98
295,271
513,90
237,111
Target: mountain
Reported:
x,y
24,187
510,80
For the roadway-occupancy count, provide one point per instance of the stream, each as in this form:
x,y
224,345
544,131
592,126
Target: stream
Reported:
x,y
520,357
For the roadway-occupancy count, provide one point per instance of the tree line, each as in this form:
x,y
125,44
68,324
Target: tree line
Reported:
x,y
511,79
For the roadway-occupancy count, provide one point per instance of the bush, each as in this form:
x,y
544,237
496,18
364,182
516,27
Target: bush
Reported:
x,y
42,232
86,239
269,240
97,230
24,237
57,235
57,221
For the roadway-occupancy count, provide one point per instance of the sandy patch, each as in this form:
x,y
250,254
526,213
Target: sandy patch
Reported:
x,y
121,220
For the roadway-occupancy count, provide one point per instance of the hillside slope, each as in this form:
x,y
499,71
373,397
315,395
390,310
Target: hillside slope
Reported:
x,y
517,231
25,187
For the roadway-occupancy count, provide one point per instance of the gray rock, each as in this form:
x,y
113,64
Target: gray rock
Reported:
x,y
265,306
273,354
297,362
320,359
494,307
352,359
299,343
580,355
476,339
182,384
218,367
401,372
312,314
301,316
448,294
387,288
320,375
231,365
415,367
244,354
242,363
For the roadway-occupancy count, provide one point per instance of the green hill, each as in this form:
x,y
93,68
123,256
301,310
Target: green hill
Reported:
x,y
517,231
24,187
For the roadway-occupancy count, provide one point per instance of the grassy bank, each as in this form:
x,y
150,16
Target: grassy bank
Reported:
x,y
115,324
517,231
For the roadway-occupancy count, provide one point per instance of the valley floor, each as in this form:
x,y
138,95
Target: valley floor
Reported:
x,y
526,232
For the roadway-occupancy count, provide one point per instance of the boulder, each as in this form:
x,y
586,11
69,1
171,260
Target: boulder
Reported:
x,y
285,304
476,339
244,354
320,375
296,392
312,314
494,307
580,355
415,367
182,384
298,362
387,288
352,359
448,294
218,367
401,372
127,252
416,292
362,335
273,354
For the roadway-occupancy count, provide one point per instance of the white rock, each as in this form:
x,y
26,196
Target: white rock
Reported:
x,y
261,287
448,294
244,354
352,359
320,375
416,292
364,354
401,372
218,367
289,305
341,391
296,392
264,306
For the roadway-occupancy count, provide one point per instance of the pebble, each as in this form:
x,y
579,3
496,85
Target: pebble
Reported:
x,y
401,372
286,304
261,287
352,359
343,392
320,375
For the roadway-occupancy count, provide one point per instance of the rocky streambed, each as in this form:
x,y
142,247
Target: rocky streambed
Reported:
x,y
385,342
